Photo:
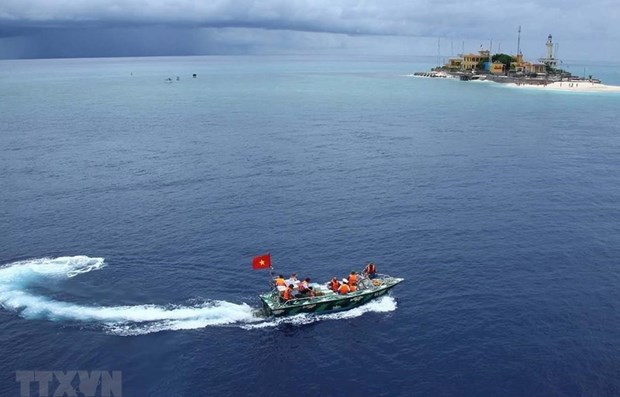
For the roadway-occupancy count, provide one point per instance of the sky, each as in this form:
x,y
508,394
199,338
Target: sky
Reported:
x,y
583,30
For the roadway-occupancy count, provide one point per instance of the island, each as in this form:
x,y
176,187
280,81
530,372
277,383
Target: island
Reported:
x,y
515,71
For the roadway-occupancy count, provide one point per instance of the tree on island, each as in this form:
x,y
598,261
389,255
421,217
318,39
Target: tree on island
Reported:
x,y
502,58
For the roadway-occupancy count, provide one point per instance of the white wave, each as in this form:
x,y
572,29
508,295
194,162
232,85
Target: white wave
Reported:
x,y
215,313
381,305
14,295
16,277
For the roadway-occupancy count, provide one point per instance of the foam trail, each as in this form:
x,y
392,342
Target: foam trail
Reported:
x,y
126,320
16,277
381,305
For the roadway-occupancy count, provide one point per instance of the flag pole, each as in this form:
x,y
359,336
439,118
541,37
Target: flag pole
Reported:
x,y
272,276
271,273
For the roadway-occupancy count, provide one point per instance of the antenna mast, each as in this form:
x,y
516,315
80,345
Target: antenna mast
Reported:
x,y
519,41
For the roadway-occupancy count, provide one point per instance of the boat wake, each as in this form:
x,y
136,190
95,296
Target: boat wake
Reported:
x,y
381,305
15,279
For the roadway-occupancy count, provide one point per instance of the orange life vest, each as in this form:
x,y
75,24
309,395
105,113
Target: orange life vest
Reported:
x,y
286,294
280,281
333,285
344,289
352,280
353,288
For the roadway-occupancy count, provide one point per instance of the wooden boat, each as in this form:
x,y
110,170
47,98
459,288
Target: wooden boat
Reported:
x,y
328,301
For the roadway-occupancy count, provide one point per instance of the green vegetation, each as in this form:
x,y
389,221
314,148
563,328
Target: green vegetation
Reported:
x,y
503,58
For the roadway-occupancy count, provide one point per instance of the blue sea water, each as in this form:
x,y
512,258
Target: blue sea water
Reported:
x,y
130,209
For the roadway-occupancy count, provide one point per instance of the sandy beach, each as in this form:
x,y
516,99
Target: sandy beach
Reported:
x,y
573,86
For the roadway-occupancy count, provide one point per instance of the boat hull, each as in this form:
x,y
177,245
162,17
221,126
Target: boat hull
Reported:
x,y
324,304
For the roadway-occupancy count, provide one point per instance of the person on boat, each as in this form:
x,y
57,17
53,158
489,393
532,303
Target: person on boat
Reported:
x,y
352,279
370,270
279,281
303,288
287,293
344,287
334,284
292,280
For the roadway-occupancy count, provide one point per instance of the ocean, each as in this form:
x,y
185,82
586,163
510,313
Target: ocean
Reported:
x,y
131,208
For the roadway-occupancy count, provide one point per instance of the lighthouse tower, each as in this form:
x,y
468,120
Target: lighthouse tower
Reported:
x,y
549,60
549,47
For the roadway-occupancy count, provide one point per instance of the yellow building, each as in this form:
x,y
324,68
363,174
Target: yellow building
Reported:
x,y
521,66
455,64
497,68
471,61
468,62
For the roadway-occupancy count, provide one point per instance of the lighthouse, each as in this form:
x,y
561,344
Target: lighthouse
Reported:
x,y
549,60
549,47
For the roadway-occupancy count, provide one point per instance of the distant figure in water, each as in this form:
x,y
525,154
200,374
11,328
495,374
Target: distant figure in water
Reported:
x,y
178,78
194,75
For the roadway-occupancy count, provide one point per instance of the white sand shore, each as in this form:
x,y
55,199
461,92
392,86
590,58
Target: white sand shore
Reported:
x,y
573,86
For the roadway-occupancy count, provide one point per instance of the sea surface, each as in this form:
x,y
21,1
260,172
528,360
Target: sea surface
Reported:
x,y
131,208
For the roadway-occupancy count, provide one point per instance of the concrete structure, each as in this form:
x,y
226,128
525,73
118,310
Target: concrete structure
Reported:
x,y
521,73
471,61
521,66
497,68
549,60
455,64
538,68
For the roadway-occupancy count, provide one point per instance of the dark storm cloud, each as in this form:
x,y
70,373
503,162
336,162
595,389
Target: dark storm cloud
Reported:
x,y
369,17
568,19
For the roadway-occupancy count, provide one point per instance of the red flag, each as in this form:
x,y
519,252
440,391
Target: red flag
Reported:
x,y
261,262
